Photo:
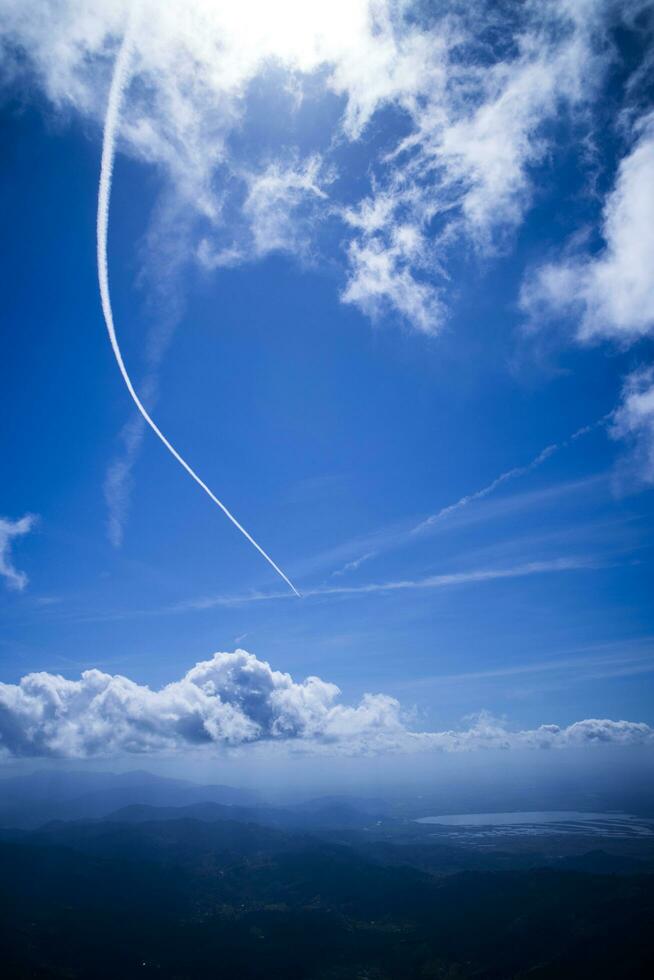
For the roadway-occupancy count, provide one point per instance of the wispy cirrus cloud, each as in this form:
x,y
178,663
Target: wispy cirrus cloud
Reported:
x,y
633,423
9,531
164,257
402,534
354,564
508,475
621,659
478,121
471,498
449,579
281,203
327,593
119,84
474,104
118,479
428,582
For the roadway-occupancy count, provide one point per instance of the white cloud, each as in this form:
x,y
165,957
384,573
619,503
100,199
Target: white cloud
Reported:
x,y
514,473
164,307
470,498
235,699
277,214
473,103
478,120
351,566
633,421
488,732
194,63
8,531
118,479
382,279
445,580
485,143
610,294
273,198
449,579
228,700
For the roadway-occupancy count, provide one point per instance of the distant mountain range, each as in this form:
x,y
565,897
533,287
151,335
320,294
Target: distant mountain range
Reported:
x,y
33,799
30,801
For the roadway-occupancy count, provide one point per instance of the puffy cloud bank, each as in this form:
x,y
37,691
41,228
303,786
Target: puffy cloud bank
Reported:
x,y
233,699
609,294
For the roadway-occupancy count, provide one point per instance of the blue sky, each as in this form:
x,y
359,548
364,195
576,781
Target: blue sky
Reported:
x,y
343,333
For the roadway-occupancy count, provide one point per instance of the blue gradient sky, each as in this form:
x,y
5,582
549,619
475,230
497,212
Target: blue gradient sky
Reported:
x,y
330,435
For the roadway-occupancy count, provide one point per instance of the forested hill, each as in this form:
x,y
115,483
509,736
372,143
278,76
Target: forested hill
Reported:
x,y
188,898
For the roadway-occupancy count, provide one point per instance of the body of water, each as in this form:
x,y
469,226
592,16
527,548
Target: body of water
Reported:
x,y
522,817
543,822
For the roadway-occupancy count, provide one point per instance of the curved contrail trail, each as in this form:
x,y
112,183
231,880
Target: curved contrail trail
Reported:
x,y
118,85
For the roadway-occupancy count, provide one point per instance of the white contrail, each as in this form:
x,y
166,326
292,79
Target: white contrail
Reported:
x,y
118,84
443,581
485,491
511,474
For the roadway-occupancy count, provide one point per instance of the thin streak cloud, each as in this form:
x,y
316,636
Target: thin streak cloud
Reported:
x,y
9,530
615,664
119,84
512,474
402,533
442,581
327,592
351,566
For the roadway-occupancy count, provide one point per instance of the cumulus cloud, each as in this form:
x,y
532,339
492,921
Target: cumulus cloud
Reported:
x,y
8,531
610,294
473,103
489,732
230,699
235,699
